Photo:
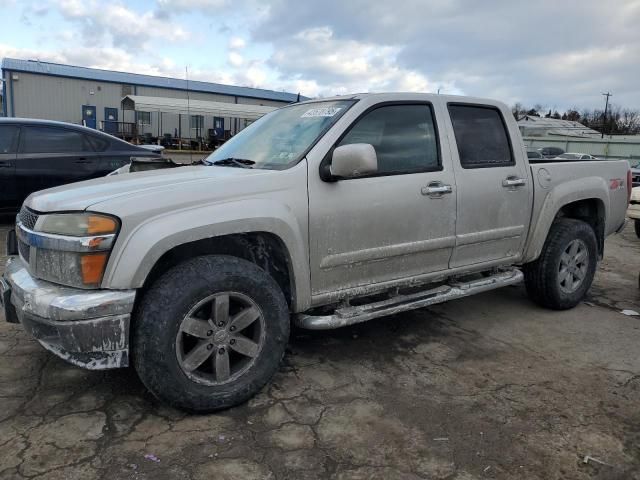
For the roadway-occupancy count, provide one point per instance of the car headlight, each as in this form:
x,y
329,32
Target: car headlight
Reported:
x,y
71,248
77,224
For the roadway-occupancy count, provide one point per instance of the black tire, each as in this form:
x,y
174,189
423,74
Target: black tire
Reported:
x,y
162,311
543,276
636,227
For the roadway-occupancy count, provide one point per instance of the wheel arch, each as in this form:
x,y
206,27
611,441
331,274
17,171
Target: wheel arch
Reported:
x,y
264,232
585,199
264,249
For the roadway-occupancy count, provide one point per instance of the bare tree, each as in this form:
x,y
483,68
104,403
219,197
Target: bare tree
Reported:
x,y
619,121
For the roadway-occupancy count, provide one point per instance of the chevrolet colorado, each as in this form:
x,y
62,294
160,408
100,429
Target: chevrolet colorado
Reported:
x,y
322,213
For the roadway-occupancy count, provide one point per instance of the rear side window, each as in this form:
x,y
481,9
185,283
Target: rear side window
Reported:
x,y
53,140
99,144
403,136
8,136
481,136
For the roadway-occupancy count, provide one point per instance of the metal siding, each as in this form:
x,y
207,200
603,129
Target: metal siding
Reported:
x,y
54,98
57,98
168,93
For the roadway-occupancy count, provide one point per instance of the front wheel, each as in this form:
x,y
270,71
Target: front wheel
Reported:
x,y
563,273
210,333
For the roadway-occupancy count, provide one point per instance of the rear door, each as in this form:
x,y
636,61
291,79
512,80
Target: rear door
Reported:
x,y
493,189
8,146
52,156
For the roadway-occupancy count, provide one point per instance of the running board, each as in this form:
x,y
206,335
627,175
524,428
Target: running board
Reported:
x,y
402,303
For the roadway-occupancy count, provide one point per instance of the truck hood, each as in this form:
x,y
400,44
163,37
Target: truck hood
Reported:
x,y
83,195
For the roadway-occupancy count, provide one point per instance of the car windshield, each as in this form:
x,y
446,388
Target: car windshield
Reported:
x,y
280,138
568,156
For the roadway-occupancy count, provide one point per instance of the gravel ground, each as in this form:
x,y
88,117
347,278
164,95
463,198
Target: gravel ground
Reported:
x,y
486,387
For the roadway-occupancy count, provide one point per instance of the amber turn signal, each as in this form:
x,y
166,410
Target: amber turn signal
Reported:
x,y
93,265
98,224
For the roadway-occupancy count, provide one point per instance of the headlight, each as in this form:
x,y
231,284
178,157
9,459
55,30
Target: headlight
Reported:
x,y
77,224
71,248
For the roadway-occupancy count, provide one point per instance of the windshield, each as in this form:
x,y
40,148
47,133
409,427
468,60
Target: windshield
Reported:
x,y
280,138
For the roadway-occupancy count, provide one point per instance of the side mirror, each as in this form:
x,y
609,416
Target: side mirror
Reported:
x,y
355,160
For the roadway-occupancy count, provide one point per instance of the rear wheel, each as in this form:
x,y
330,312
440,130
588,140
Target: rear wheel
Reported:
x,y
210,333
563,273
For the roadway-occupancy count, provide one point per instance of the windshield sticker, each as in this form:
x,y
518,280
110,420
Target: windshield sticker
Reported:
x,y
321,112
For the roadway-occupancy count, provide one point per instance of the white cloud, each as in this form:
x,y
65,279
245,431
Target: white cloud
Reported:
x,y
72,8
514,51
15,52
235,59
207,5
561,53
107,58
328,66
237,43
124,26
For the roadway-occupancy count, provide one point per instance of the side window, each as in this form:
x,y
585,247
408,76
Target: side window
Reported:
x,y
481,136
98,144
8,134
404,137
52,140
143,118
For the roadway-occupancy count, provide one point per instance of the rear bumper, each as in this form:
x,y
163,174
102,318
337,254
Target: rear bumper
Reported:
x,y
633,211
88,328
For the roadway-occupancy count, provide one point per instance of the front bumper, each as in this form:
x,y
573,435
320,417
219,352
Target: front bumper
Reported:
x,y
88,328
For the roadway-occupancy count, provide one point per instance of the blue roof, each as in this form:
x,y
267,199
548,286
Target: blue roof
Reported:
x,y
71,71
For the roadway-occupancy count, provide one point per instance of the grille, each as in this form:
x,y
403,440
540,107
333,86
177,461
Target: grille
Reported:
x,y
27,218
24,250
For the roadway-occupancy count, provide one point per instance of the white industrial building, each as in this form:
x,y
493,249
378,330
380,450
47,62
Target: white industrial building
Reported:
x,y
132,105
534,126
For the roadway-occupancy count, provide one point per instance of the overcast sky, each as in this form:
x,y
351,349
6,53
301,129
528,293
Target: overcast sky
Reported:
x,y
559,53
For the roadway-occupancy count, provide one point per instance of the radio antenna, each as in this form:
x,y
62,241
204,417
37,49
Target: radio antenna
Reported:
x,y
186,74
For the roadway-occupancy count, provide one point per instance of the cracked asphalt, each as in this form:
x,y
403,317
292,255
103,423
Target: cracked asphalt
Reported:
x,y
486,387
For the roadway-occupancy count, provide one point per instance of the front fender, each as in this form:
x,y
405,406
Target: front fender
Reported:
x,y
548,205
137,252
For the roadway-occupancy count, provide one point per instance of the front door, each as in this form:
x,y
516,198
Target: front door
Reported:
x,y
8,146
395,224
218,127
493,188
111,120
89,116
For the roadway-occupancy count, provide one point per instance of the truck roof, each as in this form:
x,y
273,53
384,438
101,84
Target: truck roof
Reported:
x,y
398,96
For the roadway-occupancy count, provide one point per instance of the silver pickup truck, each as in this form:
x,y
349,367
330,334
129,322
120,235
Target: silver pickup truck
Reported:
x,y
323,213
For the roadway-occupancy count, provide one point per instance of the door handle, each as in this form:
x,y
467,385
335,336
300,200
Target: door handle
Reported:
x,y
511,182
436,189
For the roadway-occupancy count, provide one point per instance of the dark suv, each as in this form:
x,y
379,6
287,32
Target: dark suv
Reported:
x,y
39,154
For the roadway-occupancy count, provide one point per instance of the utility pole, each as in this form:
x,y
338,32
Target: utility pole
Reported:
x,y
604,119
